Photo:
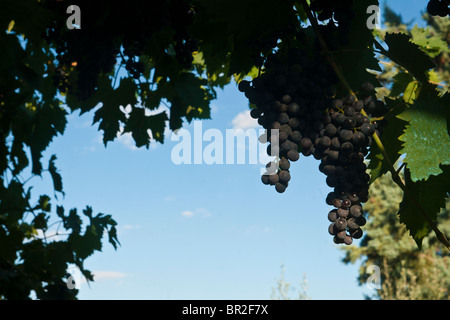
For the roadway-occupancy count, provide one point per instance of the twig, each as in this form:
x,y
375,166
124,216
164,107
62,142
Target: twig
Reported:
x,y
401,167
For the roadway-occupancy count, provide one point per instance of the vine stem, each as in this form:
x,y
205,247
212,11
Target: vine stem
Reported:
x,y
397,65
395,175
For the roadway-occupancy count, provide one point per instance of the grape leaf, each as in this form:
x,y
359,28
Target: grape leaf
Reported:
x,y
400,83
139,123
408,55
426,140
389,138
431,44
56,177
430,195
109,115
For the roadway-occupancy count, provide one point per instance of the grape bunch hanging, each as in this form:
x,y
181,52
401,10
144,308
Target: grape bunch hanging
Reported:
x,y
295,95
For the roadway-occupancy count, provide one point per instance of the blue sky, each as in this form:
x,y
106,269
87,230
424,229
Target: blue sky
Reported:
x,y
202,231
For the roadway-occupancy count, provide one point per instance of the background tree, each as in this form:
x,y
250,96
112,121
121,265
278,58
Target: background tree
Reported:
x,y
407,273
283,289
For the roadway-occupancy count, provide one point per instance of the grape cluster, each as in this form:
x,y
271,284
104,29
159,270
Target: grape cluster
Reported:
x,y
291,97
295,95
345,141
438,8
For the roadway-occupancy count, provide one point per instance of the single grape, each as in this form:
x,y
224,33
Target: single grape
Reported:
x,y
348,240
284,164
332,215
280,188
293,155
356,211
367,129
340,224
285,176
342,213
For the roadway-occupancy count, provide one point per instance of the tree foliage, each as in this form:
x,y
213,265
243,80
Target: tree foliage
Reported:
x,y
407,273
165,60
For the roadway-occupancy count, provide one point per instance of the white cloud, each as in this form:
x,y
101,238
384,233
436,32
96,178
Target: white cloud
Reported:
x,y
202,212
187,213
244,121
127,140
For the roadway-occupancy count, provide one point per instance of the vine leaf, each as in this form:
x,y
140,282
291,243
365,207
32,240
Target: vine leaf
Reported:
x,y
431,44
109,115
403,83
430,195
392,145
408,55
56,177
426,140
139,125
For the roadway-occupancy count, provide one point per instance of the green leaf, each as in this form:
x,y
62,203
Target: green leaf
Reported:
x,y
389,138
408,55
139,124
48,120
73,221
430,195
40,221
18,156
426,140
110,116
112,237
431,44
44,203
410,93
400,83
192,93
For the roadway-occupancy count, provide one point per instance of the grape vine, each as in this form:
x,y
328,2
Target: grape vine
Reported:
x,y
295,95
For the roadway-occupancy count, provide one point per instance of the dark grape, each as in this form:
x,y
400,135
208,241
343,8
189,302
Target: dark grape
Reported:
x,y
332,215
367,129
293,155
280,188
